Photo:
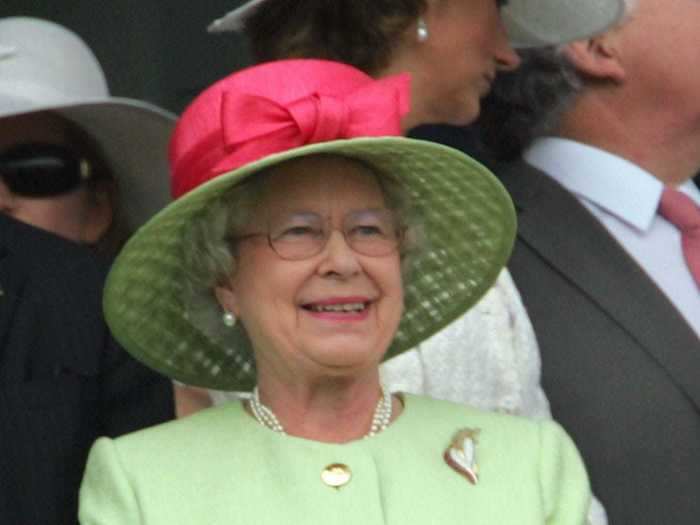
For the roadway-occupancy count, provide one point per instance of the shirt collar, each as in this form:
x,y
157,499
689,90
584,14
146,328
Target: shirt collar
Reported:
x,y
610,182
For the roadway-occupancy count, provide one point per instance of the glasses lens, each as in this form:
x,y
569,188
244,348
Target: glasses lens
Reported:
x,y
41,170
296,235
372,232
302,235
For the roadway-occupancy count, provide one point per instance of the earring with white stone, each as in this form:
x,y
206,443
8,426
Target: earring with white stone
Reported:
x,y
422,30
228,319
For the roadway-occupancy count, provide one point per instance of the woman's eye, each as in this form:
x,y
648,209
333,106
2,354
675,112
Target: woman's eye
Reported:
x,y
368,231
298,232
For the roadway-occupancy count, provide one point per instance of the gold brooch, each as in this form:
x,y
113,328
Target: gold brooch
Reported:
x,y
461,454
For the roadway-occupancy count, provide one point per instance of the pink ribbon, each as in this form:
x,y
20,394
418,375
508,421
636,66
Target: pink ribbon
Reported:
x,y
255,126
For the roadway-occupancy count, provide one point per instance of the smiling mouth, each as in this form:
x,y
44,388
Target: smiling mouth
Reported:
x,y
337,308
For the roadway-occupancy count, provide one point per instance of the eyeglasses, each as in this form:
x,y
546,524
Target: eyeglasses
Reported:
x,y
42,170
297,236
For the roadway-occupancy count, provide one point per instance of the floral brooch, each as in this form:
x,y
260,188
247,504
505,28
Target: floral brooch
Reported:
x,y
461,454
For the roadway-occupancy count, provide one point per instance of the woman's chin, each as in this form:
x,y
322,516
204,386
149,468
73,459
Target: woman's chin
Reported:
x,y
343,353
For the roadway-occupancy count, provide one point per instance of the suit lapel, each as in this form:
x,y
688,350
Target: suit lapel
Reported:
x,y
554,224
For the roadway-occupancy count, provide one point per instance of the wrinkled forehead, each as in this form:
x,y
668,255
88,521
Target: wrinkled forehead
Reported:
x,y
323,184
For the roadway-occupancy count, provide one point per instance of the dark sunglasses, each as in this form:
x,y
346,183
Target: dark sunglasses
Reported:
x,y
42,170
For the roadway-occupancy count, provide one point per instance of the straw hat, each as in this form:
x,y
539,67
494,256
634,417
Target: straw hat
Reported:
x,y
271,113
530,23
44,66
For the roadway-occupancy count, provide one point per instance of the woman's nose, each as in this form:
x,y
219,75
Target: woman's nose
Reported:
x,y
338,257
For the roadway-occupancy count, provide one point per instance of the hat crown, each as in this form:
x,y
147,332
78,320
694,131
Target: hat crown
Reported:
x,y
277,106
44,64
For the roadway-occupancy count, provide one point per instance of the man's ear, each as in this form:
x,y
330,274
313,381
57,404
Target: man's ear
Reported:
x,y
100,213
227,298
597,58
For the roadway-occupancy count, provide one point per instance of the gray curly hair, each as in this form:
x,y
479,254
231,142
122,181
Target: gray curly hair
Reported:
x,y
528,103
209,259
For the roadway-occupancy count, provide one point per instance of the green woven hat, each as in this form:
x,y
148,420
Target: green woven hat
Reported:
x,y
467,216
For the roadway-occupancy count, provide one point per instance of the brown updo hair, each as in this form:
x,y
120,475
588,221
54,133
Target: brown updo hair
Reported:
x,y
362,33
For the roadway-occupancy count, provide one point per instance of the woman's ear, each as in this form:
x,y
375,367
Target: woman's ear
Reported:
x,y
597,57
227,299
100,213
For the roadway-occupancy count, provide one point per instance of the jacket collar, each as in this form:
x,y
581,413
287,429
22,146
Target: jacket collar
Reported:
x,y
554,224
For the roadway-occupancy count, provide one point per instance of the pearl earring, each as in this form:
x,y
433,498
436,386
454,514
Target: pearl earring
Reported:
x,y
229,319
422,30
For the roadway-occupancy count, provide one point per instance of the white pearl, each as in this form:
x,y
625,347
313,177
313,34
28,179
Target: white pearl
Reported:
x,y
380,418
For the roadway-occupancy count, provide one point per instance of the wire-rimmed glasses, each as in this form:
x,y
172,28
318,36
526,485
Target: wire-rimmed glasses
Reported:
x,y
301,235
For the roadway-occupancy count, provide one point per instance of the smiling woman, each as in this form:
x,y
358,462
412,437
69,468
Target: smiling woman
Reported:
x,y
293,231
334,311
322,220
294,173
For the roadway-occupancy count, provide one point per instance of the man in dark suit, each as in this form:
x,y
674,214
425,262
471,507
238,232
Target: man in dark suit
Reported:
x,y
70,180
607,128
63,379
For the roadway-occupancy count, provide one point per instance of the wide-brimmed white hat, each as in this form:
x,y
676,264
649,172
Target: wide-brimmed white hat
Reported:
x,y
44,66
530,23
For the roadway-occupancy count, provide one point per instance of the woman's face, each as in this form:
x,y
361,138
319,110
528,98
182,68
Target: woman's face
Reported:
x,y
331,314
456,65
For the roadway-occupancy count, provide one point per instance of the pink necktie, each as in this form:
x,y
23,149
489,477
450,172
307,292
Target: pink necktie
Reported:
x,y
680,210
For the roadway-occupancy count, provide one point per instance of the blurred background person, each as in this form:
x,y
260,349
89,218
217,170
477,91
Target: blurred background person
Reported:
x,y
78,170
606,133
308,242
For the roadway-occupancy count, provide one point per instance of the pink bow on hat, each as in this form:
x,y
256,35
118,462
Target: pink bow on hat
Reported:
x,y
326,101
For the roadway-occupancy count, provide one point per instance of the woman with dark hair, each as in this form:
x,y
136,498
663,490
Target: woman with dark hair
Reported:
x,y
453,49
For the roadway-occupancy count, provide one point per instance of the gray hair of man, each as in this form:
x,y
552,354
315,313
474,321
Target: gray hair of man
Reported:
x,y
209,259
529,102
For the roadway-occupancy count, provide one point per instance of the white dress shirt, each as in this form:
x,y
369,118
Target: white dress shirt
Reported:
x,y
625,199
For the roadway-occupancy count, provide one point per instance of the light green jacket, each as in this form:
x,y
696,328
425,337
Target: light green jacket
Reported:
x,y
220,467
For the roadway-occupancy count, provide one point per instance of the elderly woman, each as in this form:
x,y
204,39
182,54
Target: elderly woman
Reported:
x,y
453,49
322,243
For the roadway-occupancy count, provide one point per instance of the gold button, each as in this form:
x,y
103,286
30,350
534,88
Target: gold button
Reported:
x,y
336,475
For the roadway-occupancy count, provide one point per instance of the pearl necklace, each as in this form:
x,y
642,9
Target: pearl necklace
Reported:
x,y
267,418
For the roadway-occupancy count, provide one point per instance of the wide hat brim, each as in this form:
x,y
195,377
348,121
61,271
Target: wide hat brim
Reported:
x,y
132,135
469,224
529,23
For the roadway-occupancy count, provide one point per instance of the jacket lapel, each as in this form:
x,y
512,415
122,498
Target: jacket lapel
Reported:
x,y
554,224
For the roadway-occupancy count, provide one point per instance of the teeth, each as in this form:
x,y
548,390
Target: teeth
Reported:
x,y
350,307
